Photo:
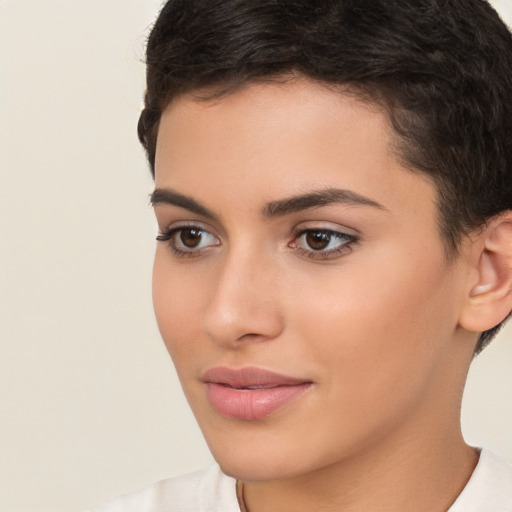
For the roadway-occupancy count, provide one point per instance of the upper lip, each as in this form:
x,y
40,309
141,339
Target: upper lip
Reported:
x,y
248,377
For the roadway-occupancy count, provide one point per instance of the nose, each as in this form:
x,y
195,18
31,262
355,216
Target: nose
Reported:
x,y
244,305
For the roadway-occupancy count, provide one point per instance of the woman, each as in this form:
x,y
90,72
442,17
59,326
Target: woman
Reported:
x,y
333,189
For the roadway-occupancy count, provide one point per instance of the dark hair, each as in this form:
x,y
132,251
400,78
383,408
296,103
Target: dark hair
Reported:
x,y
442,69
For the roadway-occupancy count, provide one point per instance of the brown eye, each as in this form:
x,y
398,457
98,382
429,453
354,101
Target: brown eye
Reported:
x,y
191,237
323,244
188,240
318,240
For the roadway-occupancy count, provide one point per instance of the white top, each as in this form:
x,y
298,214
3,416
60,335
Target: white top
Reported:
x,y
209,490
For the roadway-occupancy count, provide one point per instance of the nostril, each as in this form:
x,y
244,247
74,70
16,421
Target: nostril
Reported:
x,y
251,336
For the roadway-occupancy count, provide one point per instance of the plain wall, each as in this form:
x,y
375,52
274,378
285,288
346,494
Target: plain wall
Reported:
x,y
89,403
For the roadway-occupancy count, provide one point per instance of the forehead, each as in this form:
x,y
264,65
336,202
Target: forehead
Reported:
x,y
271,140
297,99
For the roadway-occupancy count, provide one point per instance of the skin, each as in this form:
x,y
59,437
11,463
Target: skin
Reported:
x,y
375,326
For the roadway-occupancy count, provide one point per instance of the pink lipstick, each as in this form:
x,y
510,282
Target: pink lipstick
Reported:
x,y
250,393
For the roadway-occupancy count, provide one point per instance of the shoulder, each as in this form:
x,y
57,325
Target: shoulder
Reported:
x,y
207,490
489,488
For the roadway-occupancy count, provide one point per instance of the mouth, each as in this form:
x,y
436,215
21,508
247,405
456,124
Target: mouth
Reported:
x,y
251,393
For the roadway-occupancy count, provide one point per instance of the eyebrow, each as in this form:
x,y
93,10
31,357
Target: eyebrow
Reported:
x,y
316,199
277,208
171,197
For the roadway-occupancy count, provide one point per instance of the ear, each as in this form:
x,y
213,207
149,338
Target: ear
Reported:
x,y
489,295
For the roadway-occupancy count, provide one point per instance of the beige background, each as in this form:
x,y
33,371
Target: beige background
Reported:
x,y
89,404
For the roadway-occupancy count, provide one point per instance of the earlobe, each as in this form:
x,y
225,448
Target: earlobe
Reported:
x,y
490,298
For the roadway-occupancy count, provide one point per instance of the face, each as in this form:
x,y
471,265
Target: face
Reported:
x,y
300,282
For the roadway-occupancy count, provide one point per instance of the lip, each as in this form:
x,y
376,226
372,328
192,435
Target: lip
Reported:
x,y
250,393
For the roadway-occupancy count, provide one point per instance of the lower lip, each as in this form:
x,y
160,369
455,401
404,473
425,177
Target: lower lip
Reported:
x,y
252,404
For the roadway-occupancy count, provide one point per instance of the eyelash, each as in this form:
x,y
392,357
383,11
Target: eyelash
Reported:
x,y
170,235
344,248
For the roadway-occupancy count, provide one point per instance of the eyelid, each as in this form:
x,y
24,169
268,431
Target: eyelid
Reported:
x,y
168,226
327,226
184,224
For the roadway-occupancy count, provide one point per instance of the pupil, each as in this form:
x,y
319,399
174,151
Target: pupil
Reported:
x,y
190,237
318,240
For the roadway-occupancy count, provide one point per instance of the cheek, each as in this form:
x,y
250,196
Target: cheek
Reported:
x,y
177,304
380,327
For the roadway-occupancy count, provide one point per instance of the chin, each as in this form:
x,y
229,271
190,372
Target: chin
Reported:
x,y
256,469
260,455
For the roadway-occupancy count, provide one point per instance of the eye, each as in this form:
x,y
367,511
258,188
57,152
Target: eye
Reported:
x,y
322,243
188,240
